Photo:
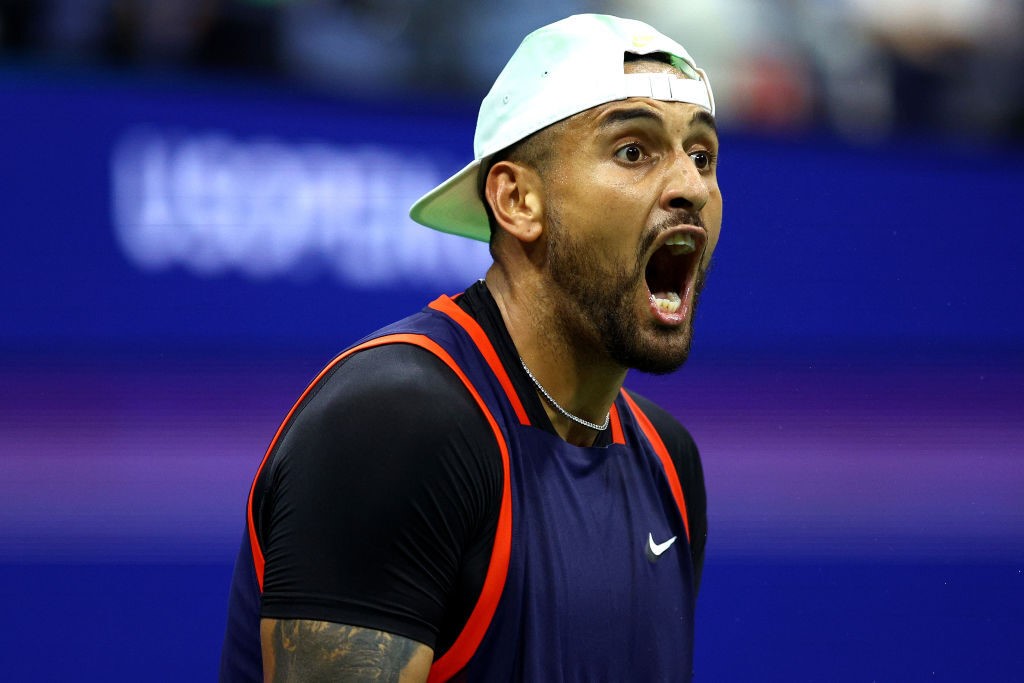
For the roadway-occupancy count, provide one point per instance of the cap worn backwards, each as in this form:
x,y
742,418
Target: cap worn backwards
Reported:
x,y
559,70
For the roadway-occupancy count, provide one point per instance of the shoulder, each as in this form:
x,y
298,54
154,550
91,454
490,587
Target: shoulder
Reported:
x,y
677,438
402,372
394,388
394,410
683,451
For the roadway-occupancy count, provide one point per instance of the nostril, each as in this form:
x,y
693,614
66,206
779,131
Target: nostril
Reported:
x,y
678,202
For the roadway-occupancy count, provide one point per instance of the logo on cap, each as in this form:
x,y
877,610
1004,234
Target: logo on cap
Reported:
x,y
641,41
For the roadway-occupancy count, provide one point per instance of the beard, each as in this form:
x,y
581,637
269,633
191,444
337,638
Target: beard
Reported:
x,y
598,300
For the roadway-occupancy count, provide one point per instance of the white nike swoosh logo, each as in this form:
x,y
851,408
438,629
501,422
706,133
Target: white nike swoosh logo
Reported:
x,y
655,550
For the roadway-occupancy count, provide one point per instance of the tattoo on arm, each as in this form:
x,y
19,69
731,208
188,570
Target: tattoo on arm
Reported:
x,y
305,650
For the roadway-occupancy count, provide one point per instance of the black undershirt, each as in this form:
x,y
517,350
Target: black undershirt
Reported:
x,y
379,504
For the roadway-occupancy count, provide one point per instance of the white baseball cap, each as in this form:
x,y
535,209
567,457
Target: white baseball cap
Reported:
x,y
559,70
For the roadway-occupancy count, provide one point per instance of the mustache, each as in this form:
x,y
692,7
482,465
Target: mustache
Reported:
x,y
680,217
674,220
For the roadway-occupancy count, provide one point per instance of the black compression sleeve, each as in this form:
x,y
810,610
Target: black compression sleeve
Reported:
x,y
686,458
382,499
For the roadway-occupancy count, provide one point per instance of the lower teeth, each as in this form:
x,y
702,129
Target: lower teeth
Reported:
x,y
668,302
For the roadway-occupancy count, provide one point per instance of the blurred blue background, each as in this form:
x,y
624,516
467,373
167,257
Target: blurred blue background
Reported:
x,y
202,201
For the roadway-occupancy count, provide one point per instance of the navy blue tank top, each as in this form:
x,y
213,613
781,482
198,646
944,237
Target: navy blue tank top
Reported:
x,y
590,577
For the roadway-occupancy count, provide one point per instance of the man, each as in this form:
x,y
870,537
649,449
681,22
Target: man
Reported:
x,y
469,493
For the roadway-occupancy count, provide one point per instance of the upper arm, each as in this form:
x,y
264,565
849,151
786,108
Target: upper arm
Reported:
x,y
382,489
305,650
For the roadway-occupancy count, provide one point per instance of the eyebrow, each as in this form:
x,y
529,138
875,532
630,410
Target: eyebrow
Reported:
x,y
700,117
703,117
617,116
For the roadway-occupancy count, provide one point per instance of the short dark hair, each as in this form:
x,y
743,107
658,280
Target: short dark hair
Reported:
x,y
662,58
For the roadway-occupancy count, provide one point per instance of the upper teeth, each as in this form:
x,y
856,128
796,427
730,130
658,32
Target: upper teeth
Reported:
x,y
681,244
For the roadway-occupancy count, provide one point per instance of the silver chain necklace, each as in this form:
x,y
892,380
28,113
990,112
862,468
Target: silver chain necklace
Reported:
x,y
560,409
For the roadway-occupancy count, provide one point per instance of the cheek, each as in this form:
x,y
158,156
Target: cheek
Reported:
x,y
713,224
605,214
605,210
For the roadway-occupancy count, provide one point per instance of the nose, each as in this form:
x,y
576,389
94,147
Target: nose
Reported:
x,y
685,187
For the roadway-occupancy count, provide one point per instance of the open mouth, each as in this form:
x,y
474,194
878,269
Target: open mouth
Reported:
x,y
671,272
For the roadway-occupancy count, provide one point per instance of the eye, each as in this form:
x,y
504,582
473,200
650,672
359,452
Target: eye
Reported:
x,y
631,153
703,160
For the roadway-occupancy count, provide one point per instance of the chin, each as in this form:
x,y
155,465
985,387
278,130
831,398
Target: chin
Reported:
x,y
658,353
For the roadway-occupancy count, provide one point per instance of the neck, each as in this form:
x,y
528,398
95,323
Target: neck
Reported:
x,y
580,378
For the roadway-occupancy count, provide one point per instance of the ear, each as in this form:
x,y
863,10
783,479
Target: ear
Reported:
x,y
515,194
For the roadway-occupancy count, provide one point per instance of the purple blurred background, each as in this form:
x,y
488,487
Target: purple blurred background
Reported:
x,y
189,231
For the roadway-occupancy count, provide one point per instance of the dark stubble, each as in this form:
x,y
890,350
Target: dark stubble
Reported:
x,y
598,300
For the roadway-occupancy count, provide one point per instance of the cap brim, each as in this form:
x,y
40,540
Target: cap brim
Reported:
x,y
454,206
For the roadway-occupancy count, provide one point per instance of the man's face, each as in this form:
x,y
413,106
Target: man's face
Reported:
x,y
633,214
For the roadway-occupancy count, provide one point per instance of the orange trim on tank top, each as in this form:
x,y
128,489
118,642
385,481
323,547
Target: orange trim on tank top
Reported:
x,y
446,305
472,634
456,658
257,552
663,455
617,435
